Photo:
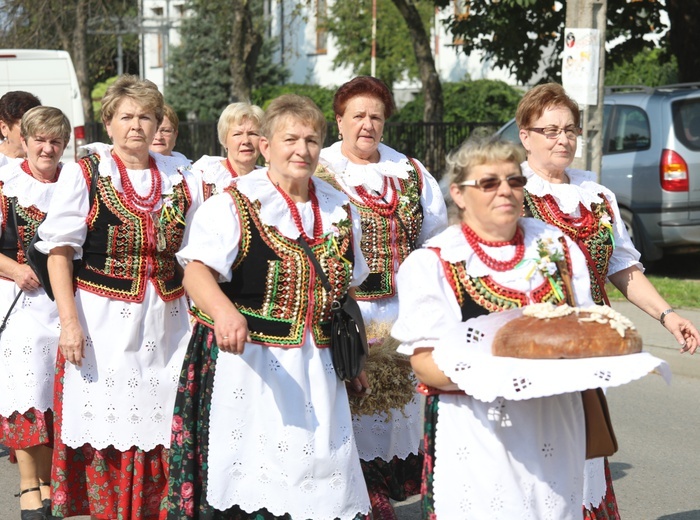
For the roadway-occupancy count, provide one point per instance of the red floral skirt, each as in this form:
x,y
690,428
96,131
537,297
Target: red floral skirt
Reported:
x,y
607,510
107,483
26,430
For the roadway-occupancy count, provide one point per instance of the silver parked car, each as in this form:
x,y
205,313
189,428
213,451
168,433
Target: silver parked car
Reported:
x,y
651,161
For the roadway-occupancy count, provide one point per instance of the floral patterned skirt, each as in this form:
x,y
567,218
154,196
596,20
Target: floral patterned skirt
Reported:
x,y
607,510
426,491
107,483
26,430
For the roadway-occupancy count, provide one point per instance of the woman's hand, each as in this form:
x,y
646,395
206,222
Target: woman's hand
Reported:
x,y
231,331
25,278
72,342
684,331
359,385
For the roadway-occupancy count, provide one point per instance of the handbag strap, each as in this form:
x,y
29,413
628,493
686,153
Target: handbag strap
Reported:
x,y
14,302
316,264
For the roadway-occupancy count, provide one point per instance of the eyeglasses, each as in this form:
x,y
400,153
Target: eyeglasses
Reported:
x,y
553,132
165,131
493,183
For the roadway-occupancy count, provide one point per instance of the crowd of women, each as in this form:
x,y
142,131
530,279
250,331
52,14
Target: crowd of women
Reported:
x,y
166,354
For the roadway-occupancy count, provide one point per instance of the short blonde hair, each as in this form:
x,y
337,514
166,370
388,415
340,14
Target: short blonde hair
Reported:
x,y
235,114
476,151
45,120
142,91
292,106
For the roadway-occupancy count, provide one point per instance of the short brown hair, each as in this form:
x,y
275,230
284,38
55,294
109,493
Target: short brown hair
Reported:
x,y
364,86
45,120
14,104
142,91
540,98
170,113
292,106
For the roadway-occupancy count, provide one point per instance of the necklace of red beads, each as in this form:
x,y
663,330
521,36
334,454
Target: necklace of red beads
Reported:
x,y
149,201
497,265
377,202
230,169
318,224
26,169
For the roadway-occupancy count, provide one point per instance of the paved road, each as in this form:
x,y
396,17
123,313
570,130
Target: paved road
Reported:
x,y
657,470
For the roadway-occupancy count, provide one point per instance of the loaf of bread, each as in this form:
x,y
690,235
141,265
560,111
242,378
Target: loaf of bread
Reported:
x,y
563,332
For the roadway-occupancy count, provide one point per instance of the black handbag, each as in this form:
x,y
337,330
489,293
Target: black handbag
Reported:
x,y
348,341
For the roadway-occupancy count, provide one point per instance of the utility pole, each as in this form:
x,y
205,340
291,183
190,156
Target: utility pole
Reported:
x,y
591,14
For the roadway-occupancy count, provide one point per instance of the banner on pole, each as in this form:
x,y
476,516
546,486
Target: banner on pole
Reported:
x,y
580,64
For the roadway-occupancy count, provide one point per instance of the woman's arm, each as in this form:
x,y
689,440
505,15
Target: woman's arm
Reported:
x,y
428,372
22,274
72,340
637,288
230,326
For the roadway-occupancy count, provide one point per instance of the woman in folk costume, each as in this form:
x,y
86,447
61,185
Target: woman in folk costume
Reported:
x,y
572,200
123,312
485,460
13,105
400,206
239,133
29,341
262,425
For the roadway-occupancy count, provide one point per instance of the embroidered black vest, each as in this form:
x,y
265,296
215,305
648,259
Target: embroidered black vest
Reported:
x,y
273,282
120,253
386,242
478,296
28,220
591,232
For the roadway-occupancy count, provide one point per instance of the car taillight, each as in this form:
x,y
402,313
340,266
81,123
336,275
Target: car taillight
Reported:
x,y
674,172
79,140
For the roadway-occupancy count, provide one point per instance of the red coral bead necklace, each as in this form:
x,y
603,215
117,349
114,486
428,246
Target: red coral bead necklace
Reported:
x,y
378,202
230,169
149,201
318,224
475,241
26,169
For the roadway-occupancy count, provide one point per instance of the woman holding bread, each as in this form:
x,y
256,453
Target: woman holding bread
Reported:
x,y
499,459
587,212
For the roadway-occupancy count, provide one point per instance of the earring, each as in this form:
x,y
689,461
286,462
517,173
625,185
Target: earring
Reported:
x,y
382,139
340,136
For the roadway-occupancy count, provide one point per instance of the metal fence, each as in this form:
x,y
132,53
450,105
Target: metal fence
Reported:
x,y
427,142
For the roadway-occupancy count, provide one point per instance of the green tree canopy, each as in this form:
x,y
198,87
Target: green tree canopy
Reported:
x,y
525,36
480,101
351,25
650,67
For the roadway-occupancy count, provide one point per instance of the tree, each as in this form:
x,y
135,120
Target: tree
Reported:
x,y
682,38
246,42
650,67
68,26
525,36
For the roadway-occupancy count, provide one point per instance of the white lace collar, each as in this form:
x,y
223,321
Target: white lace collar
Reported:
x,y
108,167
28,190
581,188
391,164
210,167
454,248
275,212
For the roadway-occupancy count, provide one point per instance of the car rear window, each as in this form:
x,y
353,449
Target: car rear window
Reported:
x,y
629,130
686,122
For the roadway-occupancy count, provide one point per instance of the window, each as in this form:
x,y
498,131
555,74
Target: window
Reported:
x,y
686,122
630,130
321,31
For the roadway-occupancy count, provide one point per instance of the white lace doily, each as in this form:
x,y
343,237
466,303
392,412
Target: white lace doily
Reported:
x,y
464,355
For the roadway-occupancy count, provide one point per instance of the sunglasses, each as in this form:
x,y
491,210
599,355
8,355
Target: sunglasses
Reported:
x,y
493,183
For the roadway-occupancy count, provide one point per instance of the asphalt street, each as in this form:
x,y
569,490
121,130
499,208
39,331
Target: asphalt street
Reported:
x,y
656,472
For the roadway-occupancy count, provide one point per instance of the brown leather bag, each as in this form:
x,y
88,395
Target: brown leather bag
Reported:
x,y
600,436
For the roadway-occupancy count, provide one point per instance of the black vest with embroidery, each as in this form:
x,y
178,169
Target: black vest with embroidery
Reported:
x,y
28,220
120,254
481,295
592,232
273,282
387,241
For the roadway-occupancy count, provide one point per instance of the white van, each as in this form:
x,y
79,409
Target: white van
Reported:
x,y
50,76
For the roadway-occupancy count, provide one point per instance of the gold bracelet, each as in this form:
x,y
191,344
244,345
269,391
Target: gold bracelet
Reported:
x,y
663,315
